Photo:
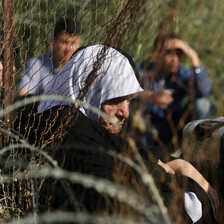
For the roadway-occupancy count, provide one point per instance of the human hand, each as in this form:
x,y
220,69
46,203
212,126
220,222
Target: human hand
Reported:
x,y
162,97
166,167
185,48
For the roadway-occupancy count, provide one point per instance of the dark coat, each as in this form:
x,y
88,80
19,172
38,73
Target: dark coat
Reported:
x,y
79,144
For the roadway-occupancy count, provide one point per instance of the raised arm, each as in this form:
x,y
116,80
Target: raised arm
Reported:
x,y
189,52
202,81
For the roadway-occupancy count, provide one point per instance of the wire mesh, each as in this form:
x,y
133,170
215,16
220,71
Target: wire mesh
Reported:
x,y
132,25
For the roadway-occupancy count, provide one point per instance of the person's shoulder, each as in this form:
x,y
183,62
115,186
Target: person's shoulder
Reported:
x,y
42,61
39,58
183,68
46,56
89,131
183,71
32,60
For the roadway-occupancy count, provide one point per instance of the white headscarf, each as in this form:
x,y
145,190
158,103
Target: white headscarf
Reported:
x,y
114,77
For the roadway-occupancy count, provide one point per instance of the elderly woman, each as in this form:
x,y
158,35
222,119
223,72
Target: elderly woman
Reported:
x,y
106,79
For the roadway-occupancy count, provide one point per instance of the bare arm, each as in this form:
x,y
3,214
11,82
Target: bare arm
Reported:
x,y
183,167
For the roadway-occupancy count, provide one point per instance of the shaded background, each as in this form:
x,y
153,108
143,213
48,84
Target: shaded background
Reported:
x,y
200,23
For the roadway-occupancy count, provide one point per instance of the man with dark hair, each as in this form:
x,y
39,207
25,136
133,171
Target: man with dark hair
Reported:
x,y
39,71
175,94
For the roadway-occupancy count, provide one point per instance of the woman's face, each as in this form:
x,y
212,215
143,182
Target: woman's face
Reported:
x,y
117,109
171,57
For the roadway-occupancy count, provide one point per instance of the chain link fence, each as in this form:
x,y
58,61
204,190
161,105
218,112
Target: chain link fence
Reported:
x,y
132,25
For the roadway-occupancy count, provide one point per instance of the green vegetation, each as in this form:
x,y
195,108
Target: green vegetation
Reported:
x,y
129,24
198,22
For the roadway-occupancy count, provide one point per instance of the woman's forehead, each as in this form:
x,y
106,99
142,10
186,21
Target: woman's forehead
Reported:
x,y
118,100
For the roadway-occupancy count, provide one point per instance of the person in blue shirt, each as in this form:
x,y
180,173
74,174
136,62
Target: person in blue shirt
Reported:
x,y
39,71
174,93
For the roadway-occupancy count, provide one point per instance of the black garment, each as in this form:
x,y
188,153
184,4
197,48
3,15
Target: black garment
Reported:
x,y
82,147
25,116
